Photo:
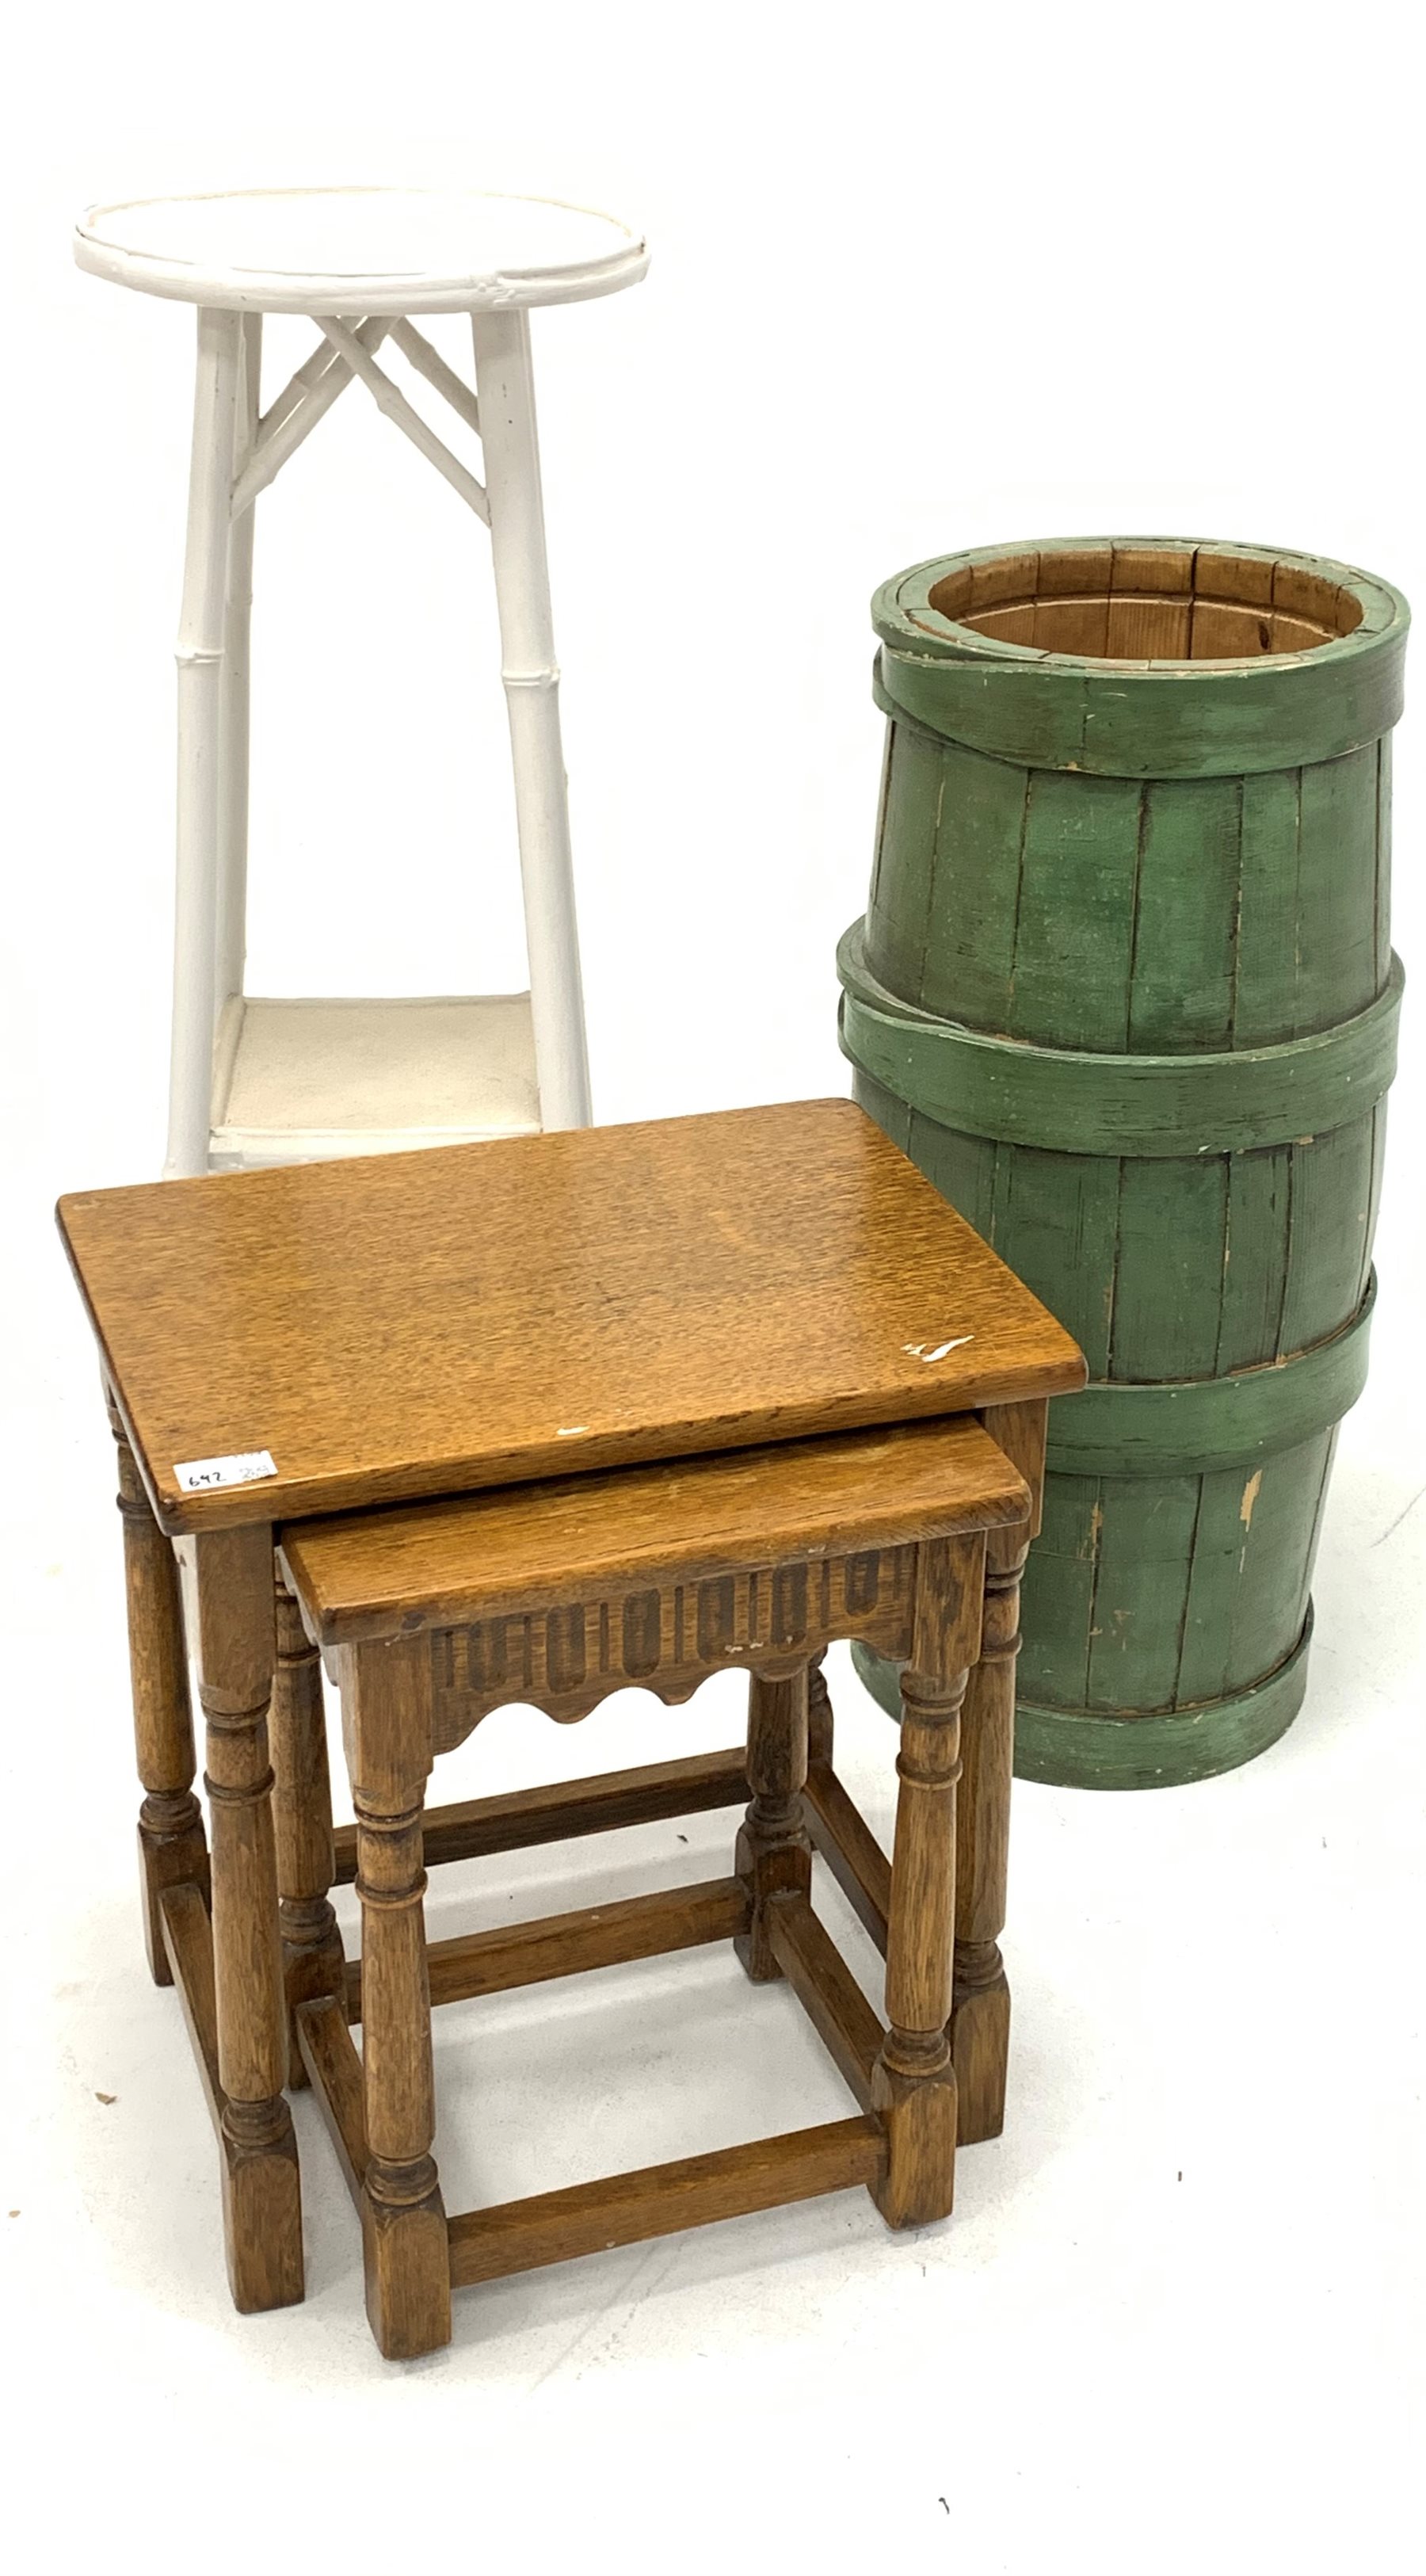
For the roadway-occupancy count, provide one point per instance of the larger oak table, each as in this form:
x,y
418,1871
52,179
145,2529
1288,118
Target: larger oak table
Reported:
x,y
316,1340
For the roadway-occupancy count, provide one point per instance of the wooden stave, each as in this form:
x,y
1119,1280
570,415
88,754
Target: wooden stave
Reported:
x,y
994,876
1226,1582
1079,1749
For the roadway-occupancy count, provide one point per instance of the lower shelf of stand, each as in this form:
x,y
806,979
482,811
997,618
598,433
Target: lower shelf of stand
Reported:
x,y
302,1081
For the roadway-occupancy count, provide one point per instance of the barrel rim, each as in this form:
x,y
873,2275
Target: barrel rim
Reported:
x,y
902,614
1151,719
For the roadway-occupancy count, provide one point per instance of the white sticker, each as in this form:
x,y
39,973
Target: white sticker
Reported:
x,y
205,1475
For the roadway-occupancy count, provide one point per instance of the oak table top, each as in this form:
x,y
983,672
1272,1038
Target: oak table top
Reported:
x,y
408,1325
505,1552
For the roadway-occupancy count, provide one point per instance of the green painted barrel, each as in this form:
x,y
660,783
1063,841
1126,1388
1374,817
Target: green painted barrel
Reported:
x,y
1125,991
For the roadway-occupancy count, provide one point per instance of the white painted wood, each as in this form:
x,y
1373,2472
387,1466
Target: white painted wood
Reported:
x,y
390,399
201,630
429,363
299,383
506,393
303,401
287,1080
300,1079
360,250
230,936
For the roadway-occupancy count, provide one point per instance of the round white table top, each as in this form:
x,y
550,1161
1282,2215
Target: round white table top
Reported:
x,y
360,250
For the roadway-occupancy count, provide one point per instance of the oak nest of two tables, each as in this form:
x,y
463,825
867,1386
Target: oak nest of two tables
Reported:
x,y
749,1385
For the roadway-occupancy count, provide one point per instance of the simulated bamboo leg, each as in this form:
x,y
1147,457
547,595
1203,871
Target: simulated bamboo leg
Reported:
x,y
774,1853
172,1847
230,928
201,634
913,2082
980,2011
505,388
312,1961
408,2283
262,2211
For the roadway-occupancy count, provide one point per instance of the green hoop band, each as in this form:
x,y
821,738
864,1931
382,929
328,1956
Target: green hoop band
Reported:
x,y
1158,1105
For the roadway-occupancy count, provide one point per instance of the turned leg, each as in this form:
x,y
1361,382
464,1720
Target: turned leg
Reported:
x,y
262,2209
980,2010
819,1716
172,1848
774,1853
408,2284
913,2081
312,1960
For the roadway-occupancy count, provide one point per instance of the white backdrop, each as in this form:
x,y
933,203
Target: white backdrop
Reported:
x,y
923,278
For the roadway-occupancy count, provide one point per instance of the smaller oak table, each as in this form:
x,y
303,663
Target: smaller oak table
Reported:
x,y
254,1080
317,1340
558,1594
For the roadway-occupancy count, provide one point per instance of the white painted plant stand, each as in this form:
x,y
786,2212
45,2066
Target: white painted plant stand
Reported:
x,y
256,1081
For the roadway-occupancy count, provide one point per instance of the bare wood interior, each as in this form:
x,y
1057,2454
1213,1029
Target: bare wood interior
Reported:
x,y
1155,603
